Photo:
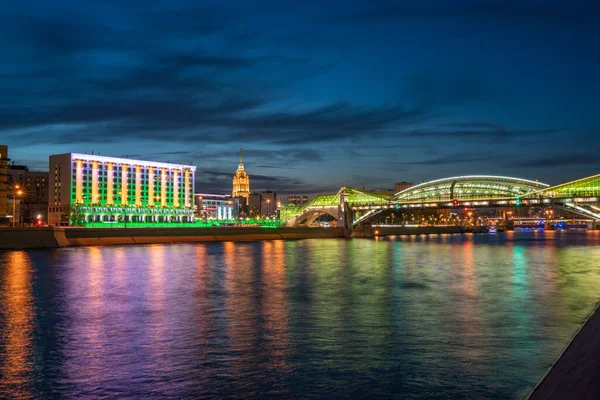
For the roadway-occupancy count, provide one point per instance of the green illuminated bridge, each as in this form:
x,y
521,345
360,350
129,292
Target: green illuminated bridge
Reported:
x,y
352,206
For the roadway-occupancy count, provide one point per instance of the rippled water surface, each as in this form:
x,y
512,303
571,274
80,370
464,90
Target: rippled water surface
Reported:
x,y
478,316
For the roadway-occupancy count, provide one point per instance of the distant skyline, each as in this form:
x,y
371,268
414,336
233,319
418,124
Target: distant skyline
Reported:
x,y
320,93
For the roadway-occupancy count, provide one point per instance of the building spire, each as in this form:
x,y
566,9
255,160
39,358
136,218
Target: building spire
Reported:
x,y
240,154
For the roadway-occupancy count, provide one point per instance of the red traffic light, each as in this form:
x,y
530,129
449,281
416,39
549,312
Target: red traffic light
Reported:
x,y
455,202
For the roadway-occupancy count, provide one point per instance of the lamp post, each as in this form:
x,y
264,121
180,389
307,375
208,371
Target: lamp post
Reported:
x,y
15,194
268,207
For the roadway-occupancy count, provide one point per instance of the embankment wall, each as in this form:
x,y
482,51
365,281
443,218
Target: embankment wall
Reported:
x,y
35,238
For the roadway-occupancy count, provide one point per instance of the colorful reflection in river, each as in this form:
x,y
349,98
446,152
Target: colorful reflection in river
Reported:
x,y
17,324
429,316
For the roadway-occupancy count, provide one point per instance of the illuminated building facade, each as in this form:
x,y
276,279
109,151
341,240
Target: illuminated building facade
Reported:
x,y
216,206
296,199
88,189
4,212
268,204
241,181
255,205
33,204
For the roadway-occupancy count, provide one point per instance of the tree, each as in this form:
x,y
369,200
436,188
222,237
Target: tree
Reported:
x,y
74,215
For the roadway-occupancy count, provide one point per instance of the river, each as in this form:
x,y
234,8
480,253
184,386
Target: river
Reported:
x,y
440,316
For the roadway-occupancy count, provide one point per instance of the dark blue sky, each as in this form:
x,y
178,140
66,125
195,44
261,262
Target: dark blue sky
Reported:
x,y
320,93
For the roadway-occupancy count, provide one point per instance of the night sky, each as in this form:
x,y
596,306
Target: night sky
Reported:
x,y
319,93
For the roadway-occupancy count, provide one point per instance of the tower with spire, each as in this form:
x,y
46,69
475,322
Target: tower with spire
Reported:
x,y
241,181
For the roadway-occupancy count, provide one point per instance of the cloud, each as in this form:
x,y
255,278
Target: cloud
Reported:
x,y
220,181
448,88
129,156
175,79
121,90
393,11
560,160
173,152
233,120
360,180
479,131
450,159
284,157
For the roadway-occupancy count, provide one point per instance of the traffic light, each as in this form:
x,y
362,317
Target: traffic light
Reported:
x,y
397,206
518,201
454,202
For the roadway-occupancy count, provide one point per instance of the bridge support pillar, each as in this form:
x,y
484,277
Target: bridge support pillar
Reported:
x,y
508,224
348,216
549,225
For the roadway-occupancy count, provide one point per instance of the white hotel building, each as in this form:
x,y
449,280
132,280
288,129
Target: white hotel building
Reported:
x,y
86,188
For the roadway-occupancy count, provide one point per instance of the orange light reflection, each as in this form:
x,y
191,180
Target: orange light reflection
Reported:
x,y
16,364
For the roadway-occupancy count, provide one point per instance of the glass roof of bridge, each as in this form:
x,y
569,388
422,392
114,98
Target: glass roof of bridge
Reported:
x,y
585,187
476,187
355,197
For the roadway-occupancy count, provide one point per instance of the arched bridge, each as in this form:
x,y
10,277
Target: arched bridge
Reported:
x,y
467,188
335,205
352,206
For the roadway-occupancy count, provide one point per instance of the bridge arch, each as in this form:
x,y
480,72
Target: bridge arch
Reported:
x,y
308,216
333,204
470,187
459,188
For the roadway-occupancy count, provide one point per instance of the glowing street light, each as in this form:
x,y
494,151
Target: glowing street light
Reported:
x,y
18,193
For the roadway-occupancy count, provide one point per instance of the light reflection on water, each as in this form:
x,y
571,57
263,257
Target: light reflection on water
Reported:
x,y
17,326
409,316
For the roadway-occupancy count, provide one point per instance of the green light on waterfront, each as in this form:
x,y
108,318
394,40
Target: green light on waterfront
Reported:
x,y
198,224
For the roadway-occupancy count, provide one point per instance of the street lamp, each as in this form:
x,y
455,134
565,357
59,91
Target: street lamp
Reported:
x,y
15,194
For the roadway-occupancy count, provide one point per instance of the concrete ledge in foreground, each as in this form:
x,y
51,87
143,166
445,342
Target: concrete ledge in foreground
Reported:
x,y
576,374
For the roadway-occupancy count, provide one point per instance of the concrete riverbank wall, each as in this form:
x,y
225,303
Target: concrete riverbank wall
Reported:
x,y
36,238
32,238
103,236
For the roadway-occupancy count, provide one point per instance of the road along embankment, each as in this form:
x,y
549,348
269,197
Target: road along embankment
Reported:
x,y
35,238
